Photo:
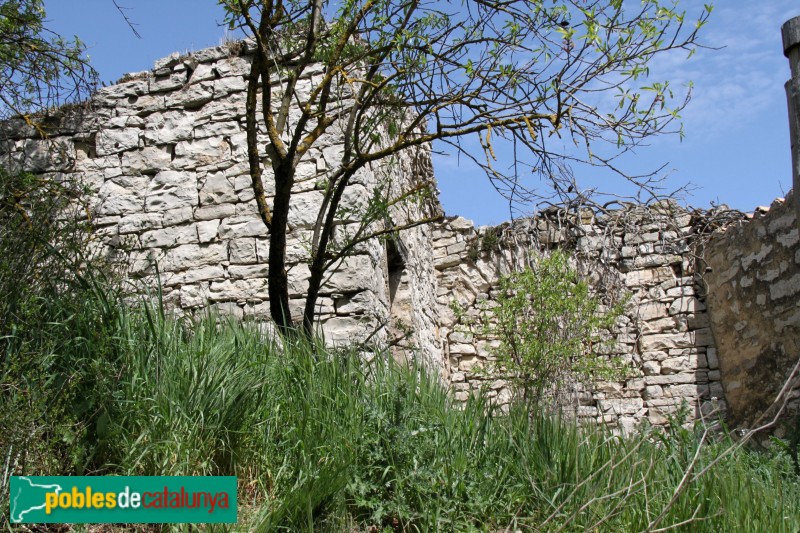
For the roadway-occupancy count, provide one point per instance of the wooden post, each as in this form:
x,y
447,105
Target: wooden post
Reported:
x,y
791,49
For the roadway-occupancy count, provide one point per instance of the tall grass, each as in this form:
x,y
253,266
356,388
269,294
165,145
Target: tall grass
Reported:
x,y
324,440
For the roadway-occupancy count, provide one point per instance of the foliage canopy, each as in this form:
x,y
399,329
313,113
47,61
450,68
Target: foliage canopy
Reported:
x,y
560,82
40,69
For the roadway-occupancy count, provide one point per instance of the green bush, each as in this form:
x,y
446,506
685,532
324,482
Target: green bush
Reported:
x,y
56,324
550,327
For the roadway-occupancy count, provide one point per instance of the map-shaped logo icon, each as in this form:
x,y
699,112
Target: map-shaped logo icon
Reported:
x,y
28,497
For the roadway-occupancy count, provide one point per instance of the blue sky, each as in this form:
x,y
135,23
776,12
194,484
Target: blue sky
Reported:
x,y
736,148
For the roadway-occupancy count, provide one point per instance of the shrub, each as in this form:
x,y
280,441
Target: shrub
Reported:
x,y
550,327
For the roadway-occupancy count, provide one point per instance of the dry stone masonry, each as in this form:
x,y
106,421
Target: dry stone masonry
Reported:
x,y
754,301
645,254
162,154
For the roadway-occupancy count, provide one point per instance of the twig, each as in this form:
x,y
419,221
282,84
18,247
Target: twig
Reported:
x,y
132,25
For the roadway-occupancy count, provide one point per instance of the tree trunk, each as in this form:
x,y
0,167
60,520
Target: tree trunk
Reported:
x,y
277,277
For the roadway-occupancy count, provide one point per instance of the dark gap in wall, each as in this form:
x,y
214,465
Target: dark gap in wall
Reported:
x,y
87,146
396,264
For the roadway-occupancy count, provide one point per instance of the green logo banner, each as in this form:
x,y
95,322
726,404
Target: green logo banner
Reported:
x,y
133,499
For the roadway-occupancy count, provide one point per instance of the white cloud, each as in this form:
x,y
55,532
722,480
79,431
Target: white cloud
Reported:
x,y
738,82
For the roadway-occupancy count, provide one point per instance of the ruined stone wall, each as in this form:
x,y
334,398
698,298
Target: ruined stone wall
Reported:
x,y
163,156
664,335
753,278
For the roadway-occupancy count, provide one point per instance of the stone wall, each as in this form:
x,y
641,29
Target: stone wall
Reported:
x,y
663,337
753,278
163,155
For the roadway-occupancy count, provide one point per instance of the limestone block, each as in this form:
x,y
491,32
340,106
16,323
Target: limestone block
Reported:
x,y
703,337
458,377
142,262
238,290
463,349
323,306
447,261
347,330
169,127
622,406
193,295
203,72
659,326
238,227
171,190
649,276
667,341
657,417
189,256
191,96
685,391
177,216
116,198
242,251
304,209
298,247
461,396
201,152
469,363
790,238
248,271
654,260
217,189
138,222
460,337
171,236
121,90
711,356
461,224
228,85
217,129
210,212
653,391
652,311
207,230
168,82
346,304
113,141
298,279
686,304
195,275
651,368
674,365
671,379
354,274
150,159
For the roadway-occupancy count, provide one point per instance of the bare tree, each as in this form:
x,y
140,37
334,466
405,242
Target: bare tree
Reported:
x,y
399,74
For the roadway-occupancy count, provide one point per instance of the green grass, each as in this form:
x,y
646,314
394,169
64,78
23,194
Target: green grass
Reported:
x,y
322,440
